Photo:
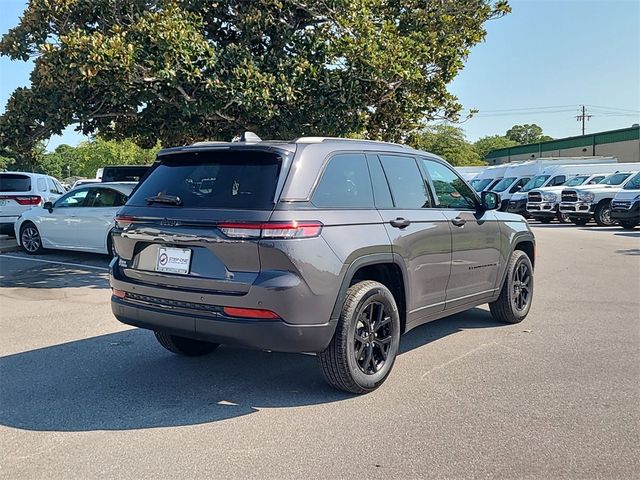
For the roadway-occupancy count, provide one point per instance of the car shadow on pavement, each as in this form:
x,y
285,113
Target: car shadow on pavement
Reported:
x,y
125,380
50,275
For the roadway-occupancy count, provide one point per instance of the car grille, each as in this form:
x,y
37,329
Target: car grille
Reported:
x,y
621,204
569,196
535,197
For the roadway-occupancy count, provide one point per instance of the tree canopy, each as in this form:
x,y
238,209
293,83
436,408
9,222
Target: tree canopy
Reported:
x,y
182,70
447,141
485,144
527,133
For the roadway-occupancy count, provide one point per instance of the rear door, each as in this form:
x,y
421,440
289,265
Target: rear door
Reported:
x,y
199,211
96,217
475,236
419,233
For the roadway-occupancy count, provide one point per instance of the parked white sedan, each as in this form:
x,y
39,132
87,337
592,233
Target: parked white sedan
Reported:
x,y
80,220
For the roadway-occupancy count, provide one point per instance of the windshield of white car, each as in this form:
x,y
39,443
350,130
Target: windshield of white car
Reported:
x,y
503,184
535,182
575,181
634,183
480,184
615,179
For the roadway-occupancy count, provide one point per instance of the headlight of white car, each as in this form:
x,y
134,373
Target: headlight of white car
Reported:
x,y
586,197
549,197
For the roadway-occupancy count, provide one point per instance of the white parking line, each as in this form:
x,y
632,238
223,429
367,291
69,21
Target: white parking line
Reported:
x,y
89,267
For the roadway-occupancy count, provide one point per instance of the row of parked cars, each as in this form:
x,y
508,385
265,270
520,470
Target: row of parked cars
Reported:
x,y
80,218
574,190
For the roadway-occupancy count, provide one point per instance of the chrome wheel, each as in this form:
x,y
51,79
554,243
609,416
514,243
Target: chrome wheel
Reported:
x,y
372,338
521,290
30,239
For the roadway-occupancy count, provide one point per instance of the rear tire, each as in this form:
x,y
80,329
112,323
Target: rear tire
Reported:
x,y
110,249
30,239
185,346
366,341
514,302
602,215
581,222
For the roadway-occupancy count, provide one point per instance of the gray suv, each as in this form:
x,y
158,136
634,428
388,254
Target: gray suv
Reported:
x,y
318,245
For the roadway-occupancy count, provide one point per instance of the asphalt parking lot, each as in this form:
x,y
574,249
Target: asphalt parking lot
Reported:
x,y
557,396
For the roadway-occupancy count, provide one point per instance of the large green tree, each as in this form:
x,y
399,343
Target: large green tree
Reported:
x,y
449,142
527,133
485,144
180,70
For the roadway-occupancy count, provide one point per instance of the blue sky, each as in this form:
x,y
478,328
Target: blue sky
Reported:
x,y
537,65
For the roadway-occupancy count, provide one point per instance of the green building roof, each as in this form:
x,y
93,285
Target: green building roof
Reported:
x,y
611,136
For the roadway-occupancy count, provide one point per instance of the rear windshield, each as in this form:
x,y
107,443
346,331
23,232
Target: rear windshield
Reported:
x,y
223,179
10,182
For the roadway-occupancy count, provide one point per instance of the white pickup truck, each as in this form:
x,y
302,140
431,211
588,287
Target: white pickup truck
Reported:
x,y
625,206
594,201
543,204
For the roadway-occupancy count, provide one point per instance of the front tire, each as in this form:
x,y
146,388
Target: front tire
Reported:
x,y
602,215
185,346
563,217
30,239
514,302
366,341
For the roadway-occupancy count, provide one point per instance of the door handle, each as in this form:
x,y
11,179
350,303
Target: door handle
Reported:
x,y
458,222
400,222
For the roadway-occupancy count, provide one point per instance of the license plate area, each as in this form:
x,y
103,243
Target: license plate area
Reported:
x,y
173,260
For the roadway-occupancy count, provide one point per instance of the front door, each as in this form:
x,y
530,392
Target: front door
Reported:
x,y
58,228
475,237
419,233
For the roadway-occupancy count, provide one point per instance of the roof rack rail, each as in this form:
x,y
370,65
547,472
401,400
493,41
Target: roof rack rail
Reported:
x,y
340,139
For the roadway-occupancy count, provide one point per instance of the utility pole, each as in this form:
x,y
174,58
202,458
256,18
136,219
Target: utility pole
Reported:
x,y
582,117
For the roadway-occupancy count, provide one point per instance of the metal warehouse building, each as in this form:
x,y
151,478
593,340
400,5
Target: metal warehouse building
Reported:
x,y
623,144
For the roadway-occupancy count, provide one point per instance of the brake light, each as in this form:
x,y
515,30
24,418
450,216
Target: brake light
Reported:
x,y
283,230
23,199
250,313
123,221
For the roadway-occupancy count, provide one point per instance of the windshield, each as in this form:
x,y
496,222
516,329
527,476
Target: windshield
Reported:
x,y
535,182
575,181
615,179
634,183
223,179
503,184
480,185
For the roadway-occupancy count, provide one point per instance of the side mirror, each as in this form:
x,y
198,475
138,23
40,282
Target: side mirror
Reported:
x,y
48,206
490,200
517,188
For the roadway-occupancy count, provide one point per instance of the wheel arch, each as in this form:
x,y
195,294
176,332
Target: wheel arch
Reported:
x,y
386,268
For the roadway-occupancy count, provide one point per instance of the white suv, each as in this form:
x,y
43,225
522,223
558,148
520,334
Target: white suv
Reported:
x,y
20,191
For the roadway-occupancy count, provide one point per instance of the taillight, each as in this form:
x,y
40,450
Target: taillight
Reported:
x,y
250,313
23,199
283,230
123,221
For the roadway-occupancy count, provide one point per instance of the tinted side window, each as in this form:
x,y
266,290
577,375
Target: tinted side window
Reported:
x,y
42,185
52,186
405,180
345,183
450,189
105,197
559,180
595,180
381,192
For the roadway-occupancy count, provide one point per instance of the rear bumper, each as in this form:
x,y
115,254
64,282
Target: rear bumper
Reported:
x,y
632,213
7,225
274,335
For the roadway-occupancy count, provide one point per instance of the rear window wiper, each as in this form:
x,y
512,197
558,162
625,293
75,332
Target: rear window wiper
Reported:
x,y
164,198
